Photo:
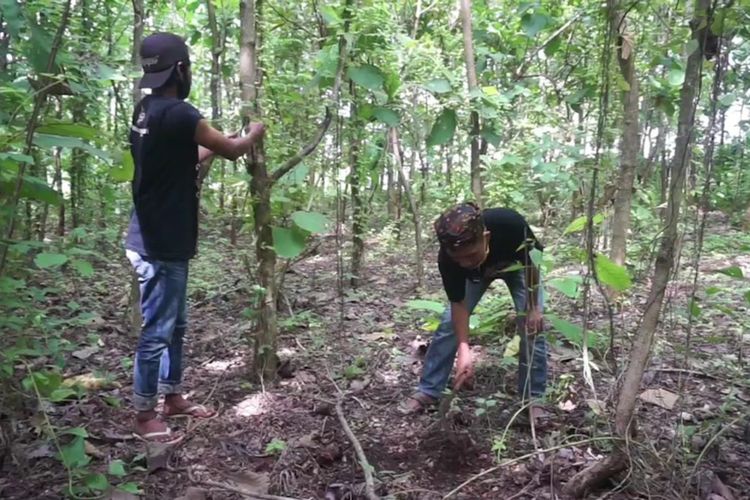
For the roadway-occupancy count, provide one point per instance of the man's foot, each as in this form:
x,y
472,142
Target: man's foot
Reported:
x,y
416,403
149,427
177,406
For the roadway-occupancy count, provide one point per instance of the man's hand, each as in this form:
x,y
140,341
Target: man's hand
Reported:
x,y
464,367
534,321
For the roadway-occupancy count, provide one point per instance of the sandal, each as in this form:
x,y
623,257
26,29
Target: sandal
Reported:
x,y
157,436
195,411
416,403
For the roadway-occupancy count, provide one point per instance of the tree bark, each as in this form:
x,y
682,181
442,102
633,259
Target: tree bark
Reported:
x,y
135,54
4,45
630,143
217,47
395,149
625,423
355,183
471,76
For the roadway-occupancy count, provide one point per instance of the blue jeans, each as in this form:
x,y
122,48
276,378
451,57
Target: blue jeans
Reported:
x,y
440,355
158,358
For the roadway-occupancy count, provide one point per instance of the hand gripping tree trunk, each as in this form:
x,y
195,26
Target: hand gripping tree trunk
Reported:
x,y
471,76
625,427
629,142
265,360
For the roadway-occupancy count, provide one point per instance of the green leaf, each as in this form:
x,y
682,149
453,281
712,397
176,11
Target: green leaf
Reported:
x,y
13,16
569,286
429,305
536,256
727,100
676,76
45,141
367,76
96,482
83,267
75,431
69,130
695,309
392,85
491,137
611,274
45,260
330,16
386,115
570,331
580,223
124,168
747,296
534,23
116,468
32,188
61,394
287,243
74,454
443,129
130,488
439,86
733,272
311,221
712,290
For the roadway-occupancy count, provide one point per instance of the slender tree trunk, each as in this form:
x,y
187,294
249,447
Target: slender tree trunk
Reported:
x,y
391,191
215,85
625,424
471,76
355,182
135,54
4,46
448,166
57,183
629,144
395,148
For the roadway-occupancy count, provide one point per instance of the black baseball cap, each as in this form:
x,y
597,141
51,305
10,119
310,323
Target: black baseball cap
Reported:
x,y
160,52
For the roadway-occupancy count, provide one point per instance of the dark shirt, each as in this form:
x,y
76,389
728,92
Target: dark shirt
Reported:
x,y
511,240
164,222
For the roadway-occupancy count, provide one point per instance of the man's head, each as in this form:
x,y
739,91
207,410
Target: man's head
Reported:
x,y
166,63
462,235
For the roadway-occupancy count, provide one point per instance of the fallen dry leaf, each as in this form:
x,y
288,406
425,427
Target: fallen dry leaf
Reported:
x,y
659,397
250,482
596,406
86,352
158,455
93,450
567,406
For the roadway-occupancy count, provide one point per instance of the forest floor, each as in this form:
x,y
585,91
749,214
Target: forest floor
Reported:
x,y
286,438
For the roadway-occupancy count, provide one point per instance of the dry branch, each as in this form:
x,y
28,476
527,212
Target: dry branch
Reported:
x,y
361,457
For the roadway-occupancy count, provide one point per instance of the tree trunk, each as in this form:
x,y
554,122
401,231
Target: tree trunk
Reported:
x,y
4,46
625,423
471,76
215,85
265,360
355,182
629,144
135,54
395,148
391,191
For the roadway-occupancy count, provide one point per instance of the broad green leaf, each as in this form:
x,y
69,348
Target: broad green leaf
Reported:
x,y
611,274
429,305
130,488
367,76
536,256
386,115
45,260
76,431
695,309
61,394
96,482
16,157
13,17
392,85
116,468
32,189
570,331
443,129
74,454
439,86
580,223
534,23
691,47
491,137
83,267
330,16
69,130
727,100
287,243
676,76
124,169
569,286
712,290
490,90
46,141
733,272
311,221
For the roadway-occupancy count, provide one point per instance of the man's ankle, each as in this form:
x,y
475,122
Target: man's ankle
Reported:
x,y
145,416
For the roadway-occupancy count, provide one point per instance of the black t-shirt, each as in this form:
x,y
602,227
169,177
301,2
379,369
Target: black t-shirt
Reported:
x,y
511,239
164,222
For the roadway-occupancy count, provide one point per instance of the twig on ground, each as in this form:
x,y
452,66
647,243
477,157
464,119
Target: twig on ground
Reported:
x,y
522,458
361,457
233,489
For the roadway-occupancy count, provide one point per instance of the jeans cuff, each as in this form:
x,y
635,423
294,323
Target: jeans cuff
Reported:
x,y
145,403
427,392
169,387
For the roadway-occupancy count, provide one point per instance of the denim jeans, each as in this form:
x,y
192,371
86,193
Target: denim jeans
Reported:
x,y
440,355
158,358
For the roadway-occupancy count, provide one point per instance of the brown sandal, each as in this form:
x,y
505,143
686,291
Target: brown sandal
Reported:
x,y
416,403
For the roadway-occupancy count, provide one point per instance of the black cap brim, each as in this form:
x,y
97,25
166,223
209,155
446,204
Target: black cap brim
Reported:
x,y
156,79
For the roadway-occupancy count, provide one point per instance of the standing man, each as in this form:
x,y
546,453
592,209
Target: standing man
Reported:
x,y
169,139
477,247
